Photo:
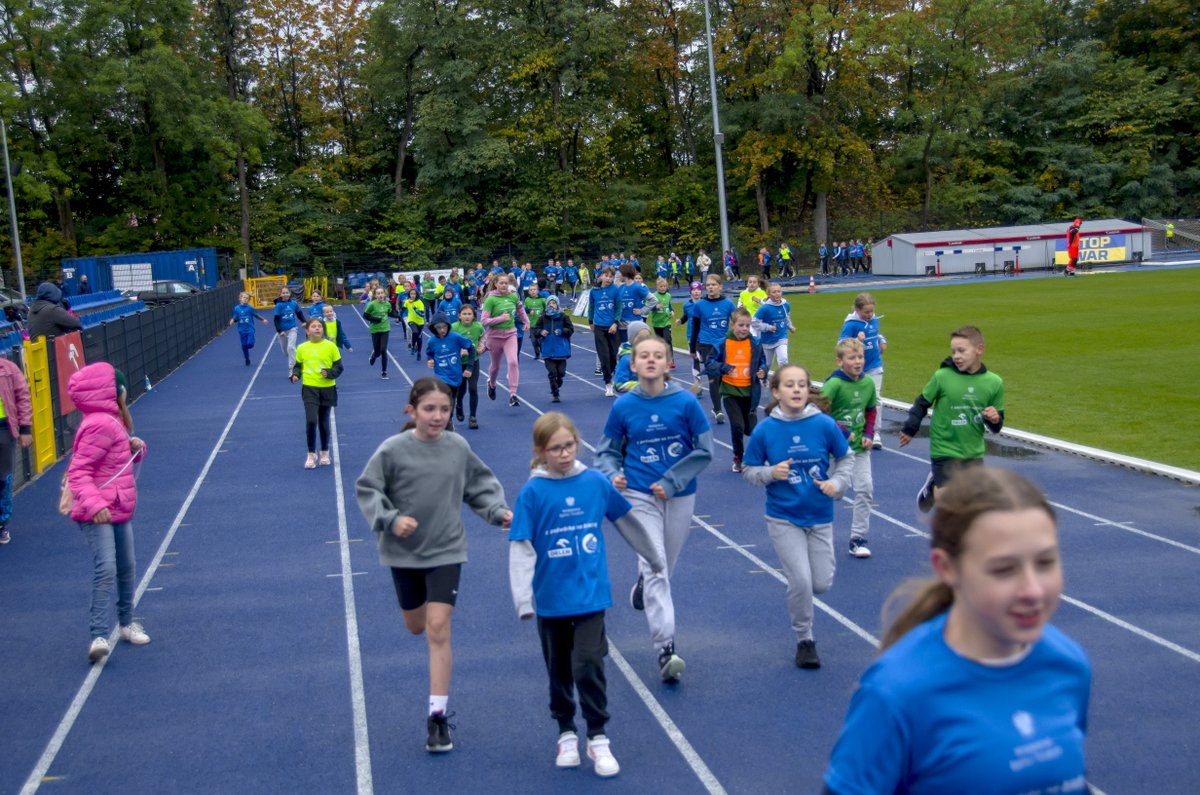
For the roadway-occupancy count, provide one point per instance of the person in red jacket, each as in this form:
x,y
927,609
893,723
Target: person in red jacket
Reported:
x,y
17,413
104,490
1073,245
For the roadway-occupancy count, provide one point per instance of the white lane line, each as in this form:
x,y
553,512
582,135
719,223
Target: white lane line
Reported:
x,y
89,683
390,356
358,700
674,733
1125,526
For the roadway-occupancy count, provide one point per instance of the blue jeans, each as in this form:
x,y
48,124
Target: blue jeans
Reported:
x,y
112,559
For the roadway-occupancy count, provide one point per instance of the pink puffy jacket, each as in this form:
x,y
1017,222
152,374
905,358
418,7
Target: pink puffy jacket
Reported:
x,y
101,448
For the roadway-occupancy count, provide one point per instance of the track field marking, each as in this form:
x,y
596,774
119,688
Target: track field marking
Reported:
x,y
358,700
40,770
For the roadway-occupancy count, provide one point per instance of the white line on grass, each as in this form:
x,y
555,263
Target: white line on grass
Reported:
x,y
362,746
89,683
689,754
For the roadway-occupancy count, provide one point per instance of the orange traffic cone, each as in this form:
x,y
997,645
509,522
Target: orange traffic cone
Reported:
x,y
812,284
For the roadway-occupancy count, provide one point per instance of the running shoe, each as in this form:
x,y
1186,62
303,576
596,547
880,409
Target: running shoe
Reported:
x,y
737,465
98,650
925,495
602,757
491,391
858,547
512,400
719,416
806,654
567,754
439,734
133,633
473,424
670,664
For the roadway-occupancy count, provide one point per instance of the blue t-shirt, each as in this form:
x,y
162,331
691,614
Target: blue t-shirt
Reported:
x,y
633,302
714,319
446,353
245,315
809,442
771,315
872,353
660,269
926,720
572,273
554,273
659,431
604,303
449,305
561,517
287,311
527,278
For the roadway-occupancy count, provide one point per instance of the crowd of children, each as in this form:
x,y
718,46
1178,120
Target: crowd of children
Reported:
x,y
808,448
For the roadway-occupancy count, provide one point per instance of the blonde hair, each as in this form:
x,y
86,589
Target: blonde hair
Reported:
x,y
971,334
847,345
544,429
972,492
862,299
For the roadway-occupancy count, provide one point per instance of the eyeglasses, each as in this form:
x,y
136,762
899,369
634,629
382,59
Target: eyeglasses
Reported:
x,y
559,449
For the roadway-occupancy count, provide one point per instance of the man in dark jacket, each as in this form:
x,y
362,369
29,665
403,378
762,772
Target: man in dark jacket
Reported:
x,y
48,316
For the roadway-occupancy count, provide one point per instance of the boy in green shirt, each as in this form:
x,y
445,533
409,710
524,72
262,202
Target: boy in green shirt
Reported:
x,y
968,398
535,305
660,314
855,406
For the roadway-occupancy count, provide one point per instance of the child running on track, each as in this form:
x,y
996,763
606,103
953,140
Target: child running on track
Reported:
x,y
685,319
974,690
852,402
376,315
863,325
288,317
502,311
563,506
449,353
554,328
469,386
710,323
414,313
411,494
789,453
604,307
656,441
738,364
772,322
318,364
243,316
334,330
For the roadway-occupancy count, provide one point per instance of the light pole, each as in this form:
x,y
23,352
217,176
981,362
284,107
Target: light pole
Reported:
x,y
12,212
718,136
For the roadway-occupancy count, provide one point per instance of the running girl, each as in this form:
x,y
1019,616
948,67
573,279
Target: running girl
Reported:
x,y
603,314
334,330
318,364
554,328
772,322
316,304
789,453
753,296
974,691
685,319
288,317
414,313
738,364
502,311
710,323
660,315
411,494
863,324
564,502
656,441
469,386
376,314
450,354
244,315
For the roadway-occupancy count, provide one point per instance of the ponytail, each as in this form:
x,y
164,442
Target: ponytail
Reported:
x,y
925,599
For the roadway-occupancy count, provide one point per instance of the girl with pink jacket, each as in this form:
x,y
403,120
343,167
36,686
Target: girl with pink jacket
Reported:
x,y
502,311
16,411
101,479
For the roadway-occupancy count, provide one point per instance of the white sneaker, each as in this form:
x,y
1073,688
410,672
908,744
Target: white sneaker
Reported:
x,y
609,391
601,755
719,416
133,633
98,650
568,750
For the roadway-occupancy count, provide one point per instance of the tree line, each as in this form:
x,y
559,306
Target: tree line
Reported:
x,y
442,131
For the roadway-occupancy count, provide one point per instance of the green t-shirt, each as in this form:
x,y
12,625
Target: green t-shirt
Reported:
x,y
429,290
534,307
660,316
313,357
496,305
473,332
376,314
956,430
849,401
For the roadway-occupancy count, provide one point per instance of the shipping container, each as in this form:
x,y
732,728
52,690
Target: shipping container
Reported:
x,y
196,266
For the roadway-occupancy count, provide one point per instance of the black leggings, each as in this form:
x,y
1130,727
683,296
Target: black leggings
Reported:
x,y
414,338
742,419
714,384
316,418
606,349
469,386
379,342
556,371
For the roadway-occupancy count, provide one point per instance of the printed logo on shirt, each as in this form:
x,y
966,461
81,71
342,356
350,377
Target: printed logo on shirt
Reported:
x,y
1023,722
970,389
571,501
795,440
561,549
961,419
650,456
675,450
590,544
654,418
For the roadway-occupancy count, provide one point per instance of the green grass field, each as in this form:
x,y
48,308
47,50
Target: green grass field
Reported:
x,y
1109,360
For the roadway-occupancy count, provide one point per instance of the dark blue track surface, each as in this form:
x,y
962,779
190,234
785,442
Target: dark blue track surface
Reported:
x,y
262,617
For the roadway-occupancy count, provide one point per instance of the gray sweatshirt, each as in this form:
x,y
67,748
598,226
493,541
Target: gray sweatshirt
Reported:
x,y
428,481
522,559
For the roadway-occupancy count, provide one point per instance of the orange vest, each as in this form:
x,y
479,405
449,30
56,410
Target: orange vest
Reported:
x,y
737,354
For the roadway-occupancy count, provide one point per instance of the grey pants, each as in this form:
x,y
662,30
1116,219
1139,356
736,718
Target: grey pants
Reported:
x,y
864,494
808,564
667,524
287,344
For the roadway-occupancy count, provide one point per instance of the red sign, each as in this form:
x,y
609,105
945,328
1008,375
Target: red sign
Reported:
x,y
68,357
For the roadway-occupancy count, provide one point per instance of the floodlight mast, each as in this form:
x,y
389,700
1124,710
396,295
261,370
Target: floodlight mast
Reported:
x,y
718,136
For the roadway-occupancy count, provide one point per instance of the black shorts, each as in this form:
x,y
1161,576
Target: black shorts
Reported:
x,y
415,587
319,395
946,468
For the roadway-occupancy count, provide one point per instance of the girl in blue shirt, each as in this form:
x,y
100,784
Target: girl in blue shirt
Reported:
x,y
800,454
288,317
710,324
451,355
772,322
244,315
863,325
656,441
685,319
974,690
557,564
603,309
